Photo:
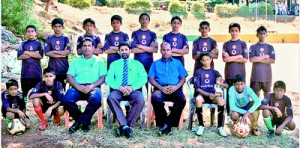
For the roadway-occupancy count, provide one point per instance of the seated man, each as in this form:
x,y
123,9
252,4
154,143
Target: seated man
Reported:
x,y
243,102
205,79
85,74
126,78
167,75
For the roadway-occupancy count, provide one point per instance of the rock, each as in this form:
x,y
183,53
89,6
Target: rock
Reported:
x,y
44,34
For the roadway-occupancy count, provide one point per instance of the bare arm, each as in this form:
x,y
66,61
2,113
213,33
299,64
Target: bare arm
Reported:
x,y
111,49
63,53
151,49
137,50
227,58
258,58
37,95
180,52
33,54
53,54
55,105
241,60
23,57
98,49
268,61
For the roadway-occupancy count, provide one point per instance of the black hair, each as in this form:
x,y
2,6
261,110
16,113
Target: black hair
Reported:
x,y
141,15
261,28
11,82
124,44
176,18
48,70
31,26
88,39
89,20
238,78
204,23
235,25
279,84
117,18
57,21
205,54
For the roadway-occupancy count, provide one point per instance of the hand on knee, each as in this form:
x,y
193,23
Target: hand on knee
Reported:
x,y
266,113
10,115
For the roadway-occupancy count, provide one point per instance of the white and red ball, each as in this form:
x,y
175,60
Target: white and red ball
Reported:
x,y
242,130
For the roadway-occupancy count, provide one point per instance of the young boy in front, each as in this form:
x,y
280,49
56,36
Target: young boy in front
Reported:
x,y
57,48
262,55
13,104
244,103
235,55
30,52
47,97
178,41
204,44
113,39
89,26
205,78
144,42
277,110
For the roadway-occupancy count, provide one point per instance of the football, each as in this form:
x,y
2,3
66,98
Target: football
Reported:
x,y
241,130
16,127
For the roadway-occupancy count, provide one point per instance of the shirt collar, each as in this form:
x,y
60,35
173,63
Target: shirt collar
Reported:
x,y
93,57
170,59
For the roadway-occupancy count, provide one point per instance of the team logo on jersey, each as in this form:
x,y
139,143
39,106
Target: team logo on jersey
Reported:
x,y
174,39
174,44
116,43
117,38
261,49
69,45
276,104
207,78
57,47
31,48
204,44
233,46
57,42
204,48
143,37
233,52
262,52
13,106
49,92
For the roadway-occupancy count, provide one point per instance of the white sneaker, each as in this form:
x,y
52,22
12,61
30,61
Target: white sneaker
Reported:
x,y
228,120
200,131
222,132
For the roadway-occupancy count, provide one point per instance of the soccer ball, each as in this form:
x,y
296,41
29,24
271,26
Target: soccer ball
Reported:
x,y
241,130
16,127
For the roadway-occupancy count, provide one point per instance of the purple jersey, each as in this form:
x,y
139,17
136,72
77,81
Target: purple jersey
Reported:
x,y
14,102
56,90
284,104
177,41
234,48
205,79
261,72
203,45
31,67
114,39
61,43
94,37
144,38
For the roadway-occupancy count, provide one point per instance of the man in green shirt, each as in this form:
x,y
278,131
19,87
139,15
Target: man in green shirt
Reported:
x,y
243,102
126,78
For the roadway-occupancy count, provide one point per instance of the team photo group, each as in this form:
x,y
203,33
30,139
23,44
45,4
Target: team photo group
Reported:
x,y
55,90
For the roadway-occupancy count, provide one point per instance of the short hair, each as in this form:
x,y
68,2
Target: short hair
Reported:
x,y
88,39
163,44
205,54
235,25
238,78
57,21
117,18
31,26
124,44
279,84
141,15
48,70
89,20
261,28
11,82
204,23
176,18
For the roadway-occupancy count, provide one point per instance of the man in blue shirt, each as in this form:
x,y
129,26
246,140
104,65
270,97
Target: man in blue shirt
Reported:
x,y
126,77
167,75
85,74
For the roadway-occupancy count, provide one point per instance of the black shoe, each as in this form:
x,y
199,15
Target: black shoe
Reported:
x,y
85,128
74,128
118,131
128,132
270,133
169,130
162,130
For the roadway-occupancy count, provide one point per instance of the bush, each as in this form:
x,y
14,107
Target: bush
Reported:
x,y
138,5
214,3
262,9
198,7
199,15
81,4
62,1
156,4
176,7
226,10
17,15
116,3
103,2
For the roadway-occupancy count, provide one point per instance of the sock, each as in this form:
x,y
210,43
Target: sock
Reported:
x,y
268,123
199,116
39,112
220,116
56,117
7,120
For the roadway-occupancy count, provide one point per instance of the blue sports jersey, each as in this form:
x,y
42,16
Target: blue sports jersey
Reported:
x,y
205,79
94,37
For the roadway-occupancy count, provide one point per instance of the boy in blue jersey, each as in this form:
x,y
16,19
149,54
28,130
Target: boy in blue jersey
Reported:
x,y
89,26
57,48
30,52
204,44
205,78
144,42
113,39
262,55
178,41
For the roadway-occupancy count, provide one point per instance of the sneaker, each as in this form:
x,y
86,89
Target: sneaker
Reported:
x,y
255,131
162,130
43,125
169,131
128,132
56,121
200,131
222,132
270,133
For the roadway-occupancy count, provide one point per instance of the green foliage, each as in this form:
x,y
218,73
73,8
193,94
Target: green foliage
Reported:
x,y
138,5
262,9
81,4
198,7
226,10
244,11
199,15
214,3
176,7
104,2
116,3
156,4
17,15
63,1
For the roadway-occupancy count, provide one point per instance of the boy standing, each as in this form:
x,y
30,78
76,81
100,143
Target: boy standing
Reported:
x,y
58,47
47,97
262,55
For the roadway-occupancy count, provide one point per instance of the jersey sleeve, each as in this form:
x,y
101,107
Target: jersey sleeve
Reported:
x,y
68,43
251,52
272,52
185,42
47,47
106,43
245,50
225,48
21,101
197,79
60,91
266,100
289,108
182,71
79,42
35,90
134,40
214,44
126,38
152,71
195,48
41,49
154,37
4,98
165,38
20,50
